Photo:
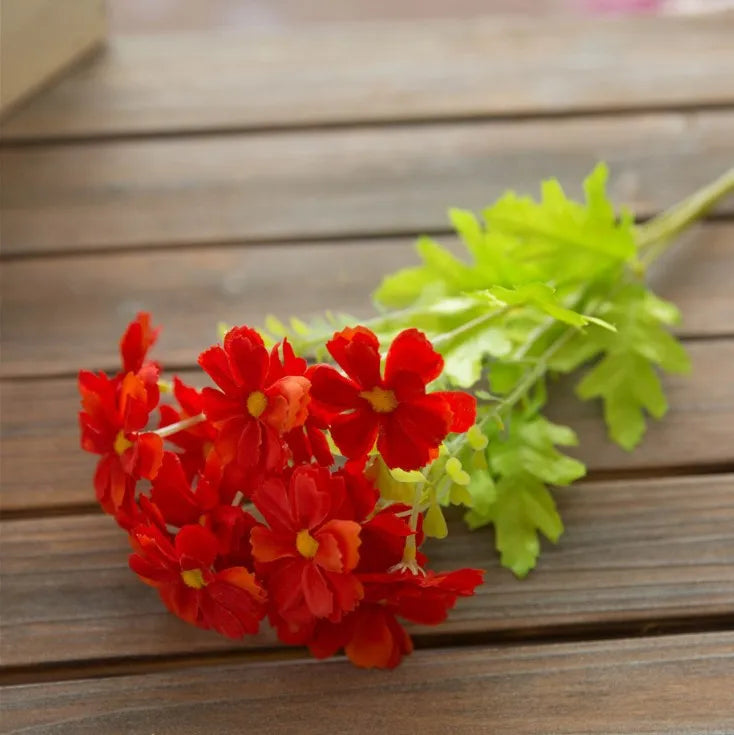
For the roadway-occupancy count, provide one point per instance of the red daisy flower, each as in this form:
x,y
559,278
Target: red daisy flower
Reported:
x,y
191,582
207,503
307,554
372,636
256,405
395,410
114,413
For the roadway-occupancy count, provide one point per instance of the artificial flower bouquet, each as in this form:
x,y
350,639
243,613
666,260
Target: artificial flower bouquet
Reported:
x,y
302,484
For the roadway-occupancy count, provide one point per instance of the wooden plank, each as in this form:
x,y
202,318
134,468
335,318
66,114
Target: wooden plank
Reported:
x,y
188,291
634,553
137,16
670,685
310,184
43,467
386,72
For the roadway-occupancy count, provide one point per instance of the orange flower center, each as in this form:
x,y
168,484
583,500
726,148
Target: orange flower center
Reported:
x,y
122,443
257,402
381,400
306,544
193,578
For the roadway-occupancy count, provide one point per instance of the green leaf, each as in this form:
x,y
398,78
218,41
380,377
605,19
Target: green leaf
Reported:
x,y
463,362
625,378
523,508
628,385
563,222
529,448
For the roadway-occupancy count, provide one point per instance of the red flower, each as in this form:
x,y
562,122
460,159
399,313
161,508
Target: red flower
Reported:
x,y
408,423
208,503
256,405
196,441
191,583
307,554
372,636
114,412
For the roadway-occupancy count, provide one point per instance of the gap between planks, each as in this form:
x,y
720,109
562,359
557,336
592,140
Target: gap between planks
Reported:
x,y
507,640
672,685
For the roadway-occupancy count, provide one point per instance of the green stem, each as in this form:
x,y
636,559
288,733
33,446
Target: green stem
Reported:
x,y
655,236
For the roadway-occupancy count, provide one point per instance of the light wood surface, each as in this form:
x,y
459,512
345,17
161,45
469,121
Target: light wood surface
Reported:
x,y
462,68
336,183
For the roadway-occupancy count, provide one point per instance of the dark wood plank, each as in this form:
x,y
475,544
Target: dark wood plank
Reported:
x,y
670,685
338,182
389,71
634,552
86,300
43,467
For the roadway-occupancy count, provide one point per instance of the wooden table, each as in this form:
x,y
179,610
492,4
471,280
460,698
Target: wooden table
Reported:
x,y
223,177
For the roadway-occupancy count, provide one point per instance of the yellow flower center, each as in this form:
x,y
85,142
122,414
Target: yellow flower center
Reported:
x,y
193,578
306,544
381,400
122,443
257,402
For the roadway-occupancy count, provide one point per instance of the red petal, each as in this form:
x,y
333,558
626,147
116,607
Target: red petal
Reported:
x,y
268,546
196,547
355,433
215,364
463,407
372,644
150,455
316,592
357,351
271,499
310,504
248,358
345,534
411,352
136,341
172,494
411,431
332,389
220,406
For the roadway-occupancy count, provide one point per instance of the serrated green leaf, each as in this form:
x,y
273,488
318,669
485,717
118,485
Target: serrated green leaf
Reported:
x,y
463,361
557,219
523,508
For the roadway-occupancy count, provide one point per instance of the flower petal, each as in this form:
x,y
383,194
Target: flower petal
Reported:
x,y
318,596
196,546
331,389
357,351
215,364
411,352
463,408
355,433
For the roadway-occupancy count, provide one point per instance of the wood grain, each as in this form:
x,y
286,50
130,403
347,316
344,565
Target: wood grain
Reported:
x,y
337,183
386,72
670,685
189,291
640,551
43,467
